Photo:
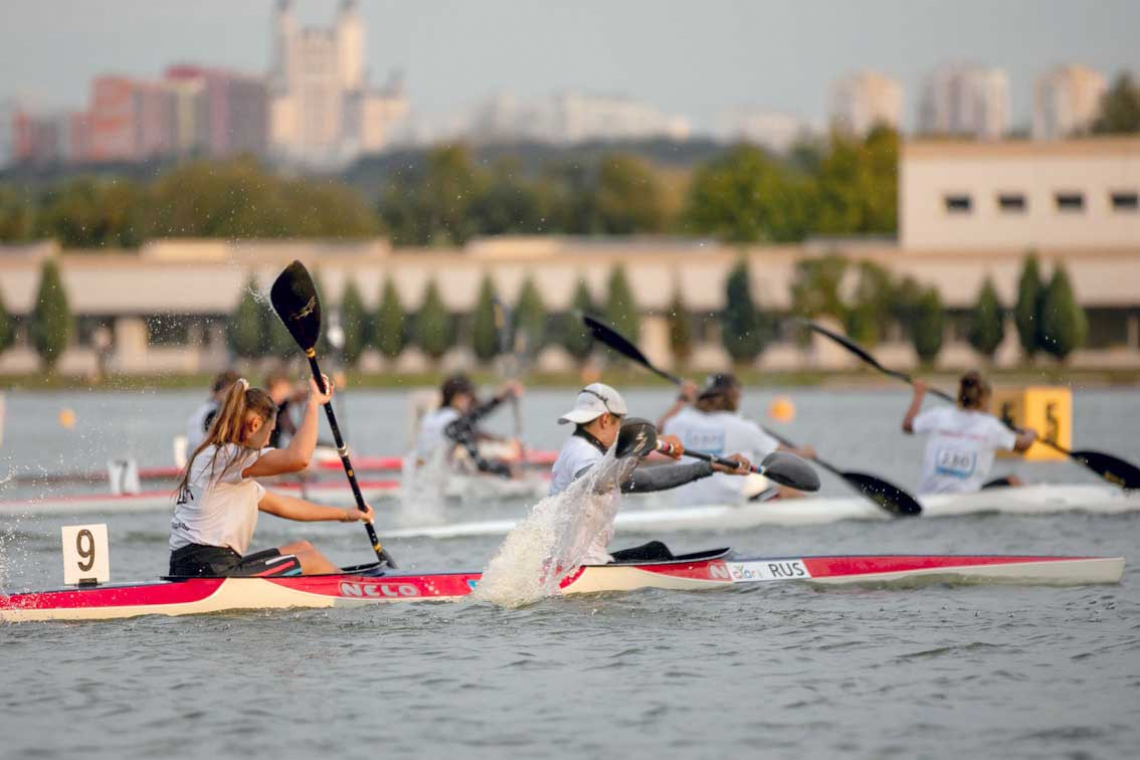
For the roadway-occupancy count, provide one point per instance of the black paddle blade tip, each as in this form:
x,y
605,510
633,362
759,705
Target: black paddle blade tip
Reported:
x,y
636,438
294,298
887,495
791,471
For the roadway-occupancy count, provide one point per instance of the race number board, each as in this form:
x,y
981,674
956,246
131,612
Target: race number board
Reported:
x,y
85,555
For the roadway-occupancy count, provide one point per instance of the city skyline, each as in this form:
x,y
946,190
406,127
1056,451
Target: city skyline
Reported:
x,y
665,59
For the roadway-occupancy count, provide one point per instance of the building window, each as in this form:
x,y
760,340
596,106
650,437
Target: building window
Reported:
x,y
1070,202
957,204
1012,203
1125,201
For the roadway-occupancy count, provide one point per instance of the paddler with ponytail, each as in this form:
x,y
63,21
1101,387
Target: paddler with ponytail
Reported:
x,y
219,497
962,440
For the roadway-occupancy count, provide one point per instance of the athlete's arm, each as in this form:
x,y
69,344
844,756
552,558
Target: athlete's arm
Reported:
x,y
300,510
915,406
296,456
688,395
1025,439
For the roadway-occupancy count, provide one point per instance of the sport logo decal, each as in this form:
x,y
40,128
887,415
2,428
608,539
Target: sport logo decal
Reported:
x,y
378,590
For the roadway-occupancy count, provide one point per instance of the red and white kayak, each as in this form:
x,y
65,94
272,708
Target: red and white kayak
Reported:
x,y
705,570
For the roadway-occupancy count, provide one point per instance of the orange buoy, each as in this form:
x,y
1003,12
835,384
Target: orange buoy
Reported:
x,y
66,418
782,409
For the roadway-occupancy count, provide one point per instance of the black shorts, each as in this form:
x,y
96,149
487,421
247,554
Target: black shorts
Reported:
x,y
201,561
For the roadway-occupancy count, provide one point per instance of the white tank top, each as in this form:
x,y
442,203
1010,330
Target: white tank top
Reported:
x,y
432,428
218,507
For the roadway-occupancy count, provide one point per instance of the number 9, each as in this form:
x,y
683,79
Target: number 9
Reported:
x,y
86,553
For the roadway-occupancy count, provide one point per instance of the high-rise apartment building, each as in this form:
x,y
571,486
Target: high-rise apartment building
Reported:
x,y
323,112
1066,102
965,101
865,100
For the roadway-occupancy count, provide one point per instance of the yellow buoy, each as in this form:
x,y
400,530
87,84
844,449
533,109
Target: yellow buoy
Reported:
x,y
67,418
782,409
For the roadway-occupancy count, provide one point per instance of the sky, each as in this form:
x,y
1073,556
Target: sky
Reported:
x,y
695,58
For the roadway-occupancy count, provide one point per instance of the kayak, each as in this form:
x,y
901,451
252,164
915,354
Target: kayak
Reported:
x,y
1023,500
716,569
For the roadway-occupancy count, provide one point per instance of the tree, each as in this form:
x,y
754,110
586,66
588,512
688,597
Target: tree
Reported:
x,y
742,328
869,314
746,197
49,328
484,330
576,339
629,197
529,320
680,329
90,213
815,287
435,331
432,205
1064,325
1027,312
621,308
354,322
858,186
389,331
928,325
7,329
1119,108
245,330
987,321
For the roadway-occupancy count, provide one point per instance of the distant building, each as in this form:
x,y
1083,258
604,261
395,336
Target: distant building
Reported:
x,y
113,120
865,100
323,112
1020,195
1066,102
219,113
965,101
777,132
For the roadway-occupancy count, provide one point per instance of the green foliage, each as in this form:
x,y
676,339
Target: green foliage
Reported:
x,y
858,185
389,330
680,329
529,320
815,287
747,197
621,308
629,197
246,328
928,325
434,330
987,321
354,322
1119,108
7,328
869,313
575,338
743,331
1064,325
484,327
1027,312
17,216
509,203
89,213
432,205
50,326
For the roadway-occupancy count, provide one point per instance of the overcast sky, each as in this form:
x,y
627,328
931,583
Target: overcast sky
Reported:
x,y
694,58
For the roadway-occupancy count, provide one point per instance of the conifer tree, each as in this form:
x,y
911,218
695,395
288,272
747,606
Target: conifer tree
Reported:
x,y
389,331
576,339
435,331
929,322
742,328
246,328
987,321
1064,325
484,330
354,321
49,329
1027,312
621,308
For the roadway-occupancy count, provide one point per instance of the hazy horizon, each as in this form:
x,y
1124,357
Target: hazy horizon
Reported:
x,y
687,59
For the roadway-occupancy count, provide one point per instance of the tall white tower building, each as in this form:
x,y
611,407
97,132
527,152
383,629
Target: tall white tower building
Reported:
x,y
324,113
864,100
965,101
1066,101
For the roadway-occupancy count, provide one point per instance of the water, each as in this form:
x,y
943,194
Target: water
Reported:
x,y
781,671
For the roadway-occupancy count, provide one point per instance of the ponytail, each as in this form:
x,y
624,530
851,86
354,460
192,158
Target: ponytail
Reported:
x,y
973,390
228,426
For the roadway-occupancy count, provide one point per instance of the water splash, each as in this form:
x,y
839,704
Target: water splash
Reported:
x,y
551,543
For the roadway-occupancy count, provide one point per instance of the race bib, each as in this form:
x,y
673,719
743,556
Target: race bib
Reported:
x,y
957,463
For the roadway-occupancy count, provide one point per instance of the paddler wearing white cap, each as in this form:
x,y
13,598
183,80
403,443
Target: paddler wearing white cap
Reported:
x,y
597,416
707,419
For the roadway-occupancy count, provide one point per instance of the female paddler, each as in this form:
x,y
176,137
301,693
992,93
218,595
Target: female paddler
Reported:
x,y
961,440
219,497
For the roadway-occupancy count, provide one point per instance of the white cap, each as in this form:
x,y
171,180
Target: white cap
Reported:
x,y
593,401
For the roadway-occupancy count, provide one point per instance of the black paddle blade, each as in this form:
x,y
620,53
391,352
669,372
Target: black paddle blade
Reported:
x,y
844,341
605,334
1111,468
637,438
789,470
888,496
294,299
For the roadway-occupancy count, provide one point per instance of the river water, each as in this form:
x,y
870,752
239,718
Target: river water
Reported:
x,y
779,671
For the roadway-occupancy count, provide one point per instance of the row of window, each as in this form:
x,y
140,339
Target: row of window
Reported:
x,y
1016,203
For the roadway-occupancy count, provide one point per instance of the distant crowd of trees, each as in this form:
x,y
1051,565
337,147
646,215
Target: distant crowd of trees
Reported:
x,y
879,307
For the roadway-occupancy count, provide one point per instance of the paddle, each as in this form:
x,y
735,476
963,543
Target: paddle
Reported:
x,y
503,320
1111,468
295,300
886,495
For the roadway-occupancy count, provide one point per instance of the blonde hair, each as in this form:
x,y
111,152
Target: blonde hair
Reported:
x,y
229,425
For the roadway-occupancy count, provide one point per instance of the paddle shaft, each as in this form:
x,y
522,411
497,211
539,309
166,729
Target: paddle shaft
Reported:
x,y
342,450
711,458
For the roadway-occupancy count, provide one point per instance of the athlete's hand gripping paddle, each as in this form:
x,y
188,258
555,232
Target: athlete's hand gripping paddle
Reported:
x,y
295,300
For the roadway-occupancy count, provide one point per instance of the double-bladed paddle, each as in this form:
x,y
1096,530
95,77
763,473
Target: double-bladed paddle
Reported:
x,y
1111,468
886,495
294,298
